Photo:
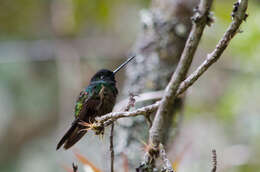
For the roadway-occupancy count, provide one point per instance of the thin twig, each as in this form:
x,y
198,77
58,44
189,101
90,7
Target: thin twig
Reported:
x,y
130,104
112,147
214,161
141,111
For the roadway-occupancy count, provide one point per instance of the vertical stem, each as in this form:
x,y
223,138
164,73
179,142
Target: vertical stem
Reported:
x,y
158,48
112,147
166,107
214,160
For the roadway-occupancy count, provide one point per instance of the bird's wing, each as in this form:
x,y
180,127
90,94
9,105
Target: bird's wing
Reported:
x,y
85,110
90,105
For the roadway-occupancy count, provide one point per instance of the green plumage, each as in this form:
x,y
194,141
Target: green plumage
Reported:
x,y
93,91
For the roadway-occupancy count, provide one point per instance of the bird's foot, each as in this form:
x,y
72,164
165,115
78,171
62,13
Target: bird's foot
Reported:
x,y
97,127
86,126
101,135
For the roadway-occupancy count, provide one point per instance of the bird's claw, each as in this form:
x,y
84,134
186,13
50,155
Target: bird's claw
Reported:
x,y
98,128
101,136
86,126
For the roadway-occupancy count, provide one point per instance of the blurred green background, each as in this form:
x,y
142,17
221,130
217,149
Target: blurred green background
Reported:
x,y
50,48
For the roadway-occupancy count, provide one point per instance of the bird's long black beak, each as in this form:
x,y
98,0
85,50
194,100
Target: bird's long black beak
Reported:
x,y
122,65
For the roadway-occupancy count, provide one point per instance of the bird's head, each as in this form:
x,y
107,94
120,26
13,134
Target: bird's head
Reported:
x,y
105,75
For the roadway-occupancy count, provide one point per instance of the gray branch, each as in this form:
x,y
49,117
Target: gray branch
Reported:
x,y
239,14
165,27
211,58
177,86
200,20
146,110
167,166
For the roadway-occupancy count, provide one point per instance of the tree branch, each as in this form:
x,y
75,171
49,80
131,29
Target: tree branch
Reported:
x,y
200,19
239,14
165,27
175,86
167,166
146,110
131,103
112,148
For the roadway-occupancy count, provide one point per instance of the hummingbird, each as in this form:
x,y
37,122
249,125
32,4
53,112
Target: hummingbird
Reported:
x,y
97,99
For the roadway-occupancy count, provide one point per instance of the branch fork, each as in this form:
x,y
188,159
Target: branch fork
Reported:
x,y
179,83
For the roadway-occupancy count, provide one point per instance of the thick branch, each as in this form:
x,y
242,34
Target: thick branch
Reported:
x,y
200,20
167,166
165,29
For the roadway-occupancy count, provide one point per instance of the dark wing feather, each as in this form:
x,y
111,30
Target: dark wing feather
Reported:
x,y
87,114
95,105
67,135
74,137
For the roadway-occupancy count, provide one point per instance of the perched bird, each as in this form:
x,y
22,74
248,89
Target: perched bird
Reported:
x,y
97,99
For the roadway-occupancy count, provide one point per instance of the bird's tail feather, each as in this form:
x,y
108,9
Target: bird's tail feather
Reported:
x,y
72,136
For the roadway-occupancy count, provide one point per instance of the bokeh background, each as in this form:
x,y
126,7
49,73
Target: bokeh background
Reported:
x,y
50,48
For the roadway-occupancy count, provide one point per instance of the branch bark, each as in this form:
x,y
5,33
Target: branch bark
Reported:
x,y
238,16
175,86
165,29
200,19
167,166
112,148
211,58
140,111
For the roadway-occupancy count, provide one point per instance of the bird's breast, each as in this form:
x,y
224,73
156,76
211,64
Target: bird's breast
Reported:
x,y
108,99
